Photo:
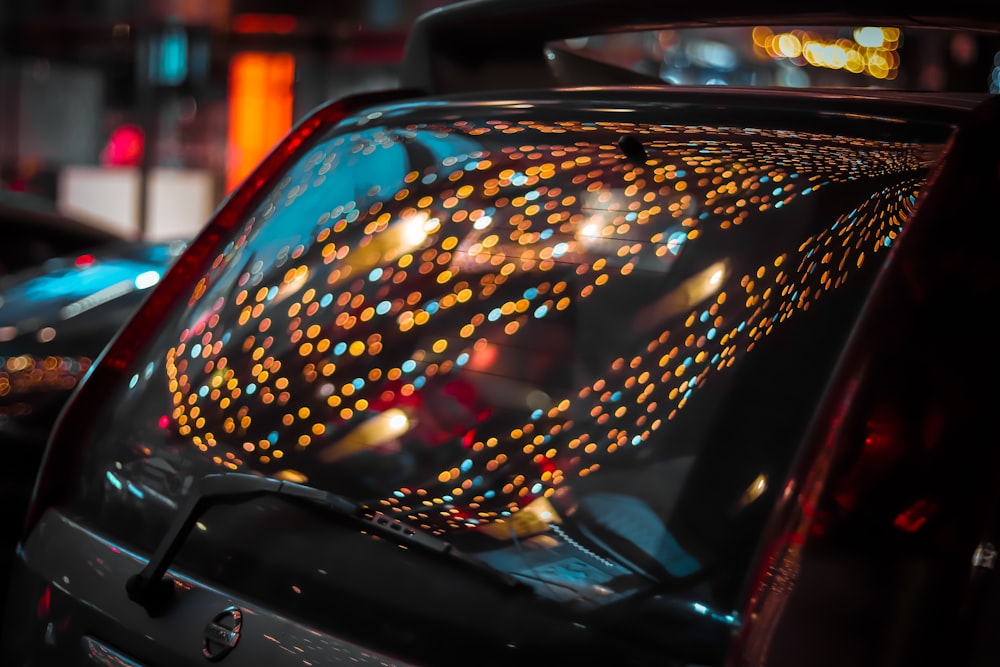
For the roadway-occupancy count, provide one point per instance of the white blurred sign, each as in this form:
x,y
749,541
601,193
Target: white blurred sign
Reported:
x,y
180,201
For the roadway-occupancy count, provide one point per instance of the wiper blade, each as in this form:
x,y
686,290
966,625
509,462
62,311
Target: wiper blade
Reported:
x,y
152,589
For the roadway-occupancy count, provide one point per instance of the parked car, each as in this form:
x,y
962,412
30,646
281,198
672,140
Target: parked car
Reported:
x,y
55,319
489,370
35,231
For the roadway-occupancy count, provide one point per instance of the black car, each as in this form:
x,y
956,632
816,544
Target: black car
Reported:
x,y
56,318
33,231
537,362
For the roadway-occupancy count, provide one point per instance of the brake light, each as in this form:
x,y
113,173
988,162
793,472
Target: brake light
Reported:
x,y
64,451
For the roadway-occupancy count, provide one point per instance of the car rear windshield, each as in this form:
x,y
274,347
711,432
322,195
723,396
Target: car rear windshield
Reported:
x,y
580,341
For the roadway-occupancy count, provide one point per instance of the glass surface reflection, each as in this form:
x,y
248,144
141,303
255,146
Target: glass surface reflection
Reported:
x,y
583,370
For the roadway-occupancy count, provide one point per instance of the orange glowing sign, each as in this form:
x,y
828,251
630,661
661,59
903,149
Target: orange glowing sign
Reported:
x,y
260,109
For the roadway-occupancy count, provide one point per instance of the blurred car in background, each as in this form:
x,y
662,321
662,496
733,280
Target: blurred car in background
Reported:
x,y
490,370
55,319
34,231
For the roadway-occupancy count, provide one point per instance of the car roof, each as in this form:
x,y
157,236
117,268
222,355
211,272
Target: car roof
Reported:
x,y
24,209
478,44
34,231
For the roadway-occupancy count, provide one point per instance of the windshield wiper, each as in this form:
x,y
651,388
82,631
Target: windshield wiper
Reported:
x,y
152,589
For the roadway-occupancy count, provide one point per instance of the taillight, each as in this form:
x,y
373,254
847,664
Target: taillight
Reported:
x,y
64,451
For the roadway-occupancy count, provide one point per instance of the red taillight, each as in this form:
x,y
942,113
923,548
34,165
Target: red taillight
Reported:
x,y
63,454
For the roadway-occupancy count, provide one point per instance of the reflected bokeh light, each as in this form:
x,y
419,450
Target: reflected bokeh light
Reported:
x,y
873,51
401,293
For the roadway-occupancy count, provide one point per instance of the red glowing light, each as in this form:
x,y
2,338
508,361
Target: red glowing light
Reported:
x,y
915,516
44,603
164,421
84,260
281,24
125,147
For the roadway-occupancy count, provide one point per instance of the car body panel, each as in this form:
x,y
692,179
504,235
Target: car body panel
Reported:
x,y
77,580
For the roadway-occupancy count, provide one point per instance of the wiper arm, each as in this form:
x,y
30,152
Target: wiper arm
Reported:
x,y
151,589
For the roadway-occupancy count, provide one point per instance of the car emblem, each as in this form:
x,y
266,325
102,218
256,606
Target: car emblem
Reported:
x,y
222,633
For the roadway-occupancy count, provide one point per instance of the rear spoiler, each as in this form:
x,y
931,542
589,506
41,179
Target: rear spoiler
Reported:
x,y
492,44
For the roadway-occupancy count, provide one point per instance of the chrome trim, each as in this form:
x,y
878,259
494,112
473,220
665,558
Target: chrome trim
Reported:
x,y
99,653
985,556
222,633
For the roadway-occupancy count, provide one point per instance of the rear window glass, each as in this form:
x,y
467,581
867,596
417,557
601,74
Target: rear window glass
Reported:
x,y
799,56
570,346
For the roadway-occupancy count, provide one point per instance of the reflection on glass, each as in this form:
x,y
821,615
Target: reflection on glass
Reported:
x,y
501,332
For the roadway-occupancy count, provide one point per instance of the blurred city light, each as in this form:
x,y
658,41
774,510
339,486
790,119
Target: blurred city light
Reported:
x,y
872,52
125,147
260,109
